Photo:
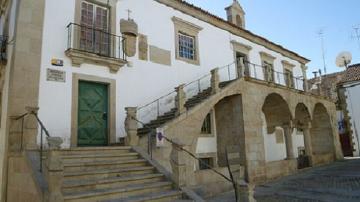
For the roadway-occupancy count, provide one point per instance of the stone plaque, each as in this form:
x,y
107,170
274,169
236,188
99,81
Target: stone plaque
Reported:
x,y
143,47
55,75
160,56
279,135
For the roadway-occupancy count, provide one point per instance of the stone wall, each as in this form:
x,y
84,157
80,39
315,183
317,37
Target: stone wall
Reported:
x,y
229,127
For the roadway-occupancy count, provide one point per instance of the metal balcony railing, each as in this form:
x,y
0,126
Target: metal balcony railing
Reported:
x,y
96,41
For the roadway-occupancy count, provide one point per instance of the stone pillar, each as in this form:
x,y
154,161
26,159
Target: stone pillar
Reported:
x,y
306,85
55,175
131,126
215,80
245,192
178,164
288,129
307,141
180,99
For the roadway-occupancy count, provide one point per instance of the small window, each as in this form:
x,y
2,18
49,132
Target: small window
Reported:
x,y
206,127
204,163
187,47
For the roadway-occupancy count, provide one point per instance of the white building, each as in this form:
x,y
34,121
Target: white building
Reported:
x,y
349,89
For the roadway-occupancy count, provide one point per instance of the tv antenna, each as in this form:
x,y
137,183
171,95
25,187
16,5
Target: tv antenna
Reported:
x,y
343,59
321,35
357,34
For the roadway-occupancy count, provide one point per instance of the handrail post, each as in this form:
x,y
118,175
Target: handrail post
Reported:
x,y
215,80
132,139
178,164
54,175
180,99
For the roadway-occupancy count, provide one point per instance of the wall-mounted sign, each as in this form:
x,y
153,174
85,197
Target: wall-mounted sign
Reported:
x,y
160,137
57,62
55,75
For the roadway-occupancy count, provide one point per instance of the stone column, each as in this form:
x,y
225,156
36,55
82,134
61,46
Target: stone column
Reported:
x,y
245,192
178,164
131,126
55,175
215,80
306,85
180,99
288,129
307,141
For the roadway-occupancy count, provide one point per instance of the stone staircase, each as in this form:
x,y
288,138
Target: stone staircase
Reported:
x,y
170,115
112,174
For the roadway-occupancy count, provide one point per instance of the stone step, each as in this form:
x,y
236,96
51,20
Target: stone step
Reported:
x,y
87,166
164,196
99,157
76,185
116,192
95,150
108,173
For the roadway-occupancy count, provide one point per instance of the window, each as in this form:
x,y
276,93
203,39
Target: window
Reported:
x,y
186,41
206,127
268,71
94,35
268,66
204,163
289,78
187,46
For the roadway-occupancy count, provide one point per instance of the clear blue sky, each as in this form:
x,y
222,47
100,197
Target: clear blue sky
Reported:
x,y
294,24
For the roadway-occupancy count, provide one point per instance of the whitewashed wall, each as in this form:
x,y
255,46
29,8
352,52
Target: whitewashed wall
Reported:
x,y
143,82
277,151
352,100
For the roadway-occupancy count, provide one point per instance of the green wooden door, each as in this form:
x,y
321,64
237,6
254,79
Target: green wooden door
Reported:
x,y
92,114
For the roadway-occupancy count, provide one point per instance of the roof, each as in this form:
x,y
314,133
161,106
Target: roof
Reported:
x,y
255,38
352,74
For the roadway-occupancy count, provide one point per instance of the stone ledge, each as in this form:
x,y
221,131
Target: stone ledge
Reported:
x,y
79,57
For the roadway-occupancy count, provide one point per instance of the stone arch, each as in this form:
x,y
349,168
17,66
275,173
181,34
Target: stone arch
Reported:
x,y
276,111
321,131
302,115
277,135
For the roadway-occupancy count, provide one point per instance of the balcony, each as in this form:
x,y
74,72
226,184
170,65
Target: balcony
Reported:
x,y
95,46
269,75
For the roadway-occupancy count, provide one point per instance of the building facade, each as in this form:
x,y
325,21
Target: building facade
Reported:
x,y
89,67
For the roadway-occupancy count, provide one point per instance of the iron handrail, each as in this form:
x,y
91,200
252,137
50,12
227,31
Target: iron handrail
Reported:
x,y
42,130
114,44
185,85
180,147
262,66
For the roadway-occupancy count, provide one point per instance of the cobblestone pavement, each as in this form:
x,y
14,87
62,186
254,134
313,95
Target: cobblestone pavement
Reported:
x,y
337,182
